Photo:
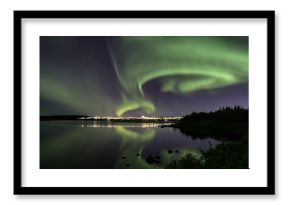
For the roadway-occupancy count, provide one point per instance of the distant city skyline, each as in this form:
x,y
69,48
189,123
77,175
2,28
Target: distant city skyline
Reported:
x,y
132,117
135,76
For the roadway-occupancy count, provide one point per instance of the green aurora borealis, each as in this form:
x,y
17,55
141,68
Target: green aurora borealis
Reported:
x,y
74,80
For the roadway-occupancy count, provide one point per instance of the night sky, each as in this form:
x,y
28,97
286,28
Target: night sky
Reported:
x,y
141,75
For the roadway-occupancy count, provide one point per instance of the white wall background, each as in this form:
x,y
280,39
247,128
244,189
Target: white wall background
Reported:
x,y
282,98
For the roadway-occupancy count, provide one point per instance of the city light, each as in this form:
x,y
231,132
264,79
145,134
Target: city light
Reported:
x,y
130,118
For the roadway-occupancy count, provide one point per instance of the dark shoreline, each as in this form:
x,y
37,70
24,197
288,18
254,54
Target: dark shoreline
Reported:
x,y
230,125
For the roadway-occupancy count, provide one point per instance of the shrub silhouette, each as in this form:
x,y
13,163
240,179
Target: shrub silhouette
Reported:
x,y
225,123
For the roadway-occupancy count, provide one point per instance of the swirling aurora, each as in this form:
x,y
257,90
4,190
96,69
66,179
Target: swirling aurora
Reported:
x,y
142,74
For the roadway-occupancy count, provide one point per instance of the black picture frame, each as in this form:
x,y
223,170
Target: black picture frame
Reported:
x,y
269,189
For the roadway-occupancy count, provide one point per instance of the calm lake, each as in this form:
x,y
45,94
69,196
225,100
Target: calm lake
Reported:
x,y
103,145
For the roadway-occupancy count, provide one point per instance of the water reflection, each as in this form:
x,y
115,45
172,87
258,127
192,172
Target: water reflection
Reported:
x,y
73,144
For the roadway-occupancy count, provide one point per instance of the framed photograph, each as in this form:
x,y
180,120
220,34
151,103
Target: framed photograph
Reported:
x,y
144,102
